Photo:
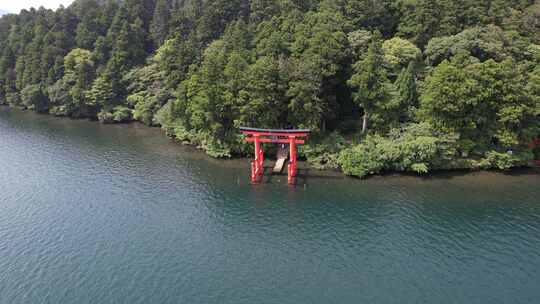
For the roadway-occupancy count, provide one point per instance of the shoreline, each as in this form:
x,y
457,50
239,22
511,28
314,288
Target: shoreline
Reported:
x,y
243,162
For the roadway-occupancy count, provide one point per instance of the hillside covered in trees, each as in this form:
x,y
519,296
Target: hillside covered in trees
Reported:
x,y
406,85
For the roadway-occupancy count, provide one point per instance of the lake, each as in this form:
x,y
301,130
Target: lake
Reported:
x,y
93,213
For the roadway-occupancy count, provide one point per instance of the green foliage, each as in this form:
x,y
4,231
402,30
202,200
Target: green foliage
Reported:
x,y
13,100
201,69
375,15
121,114
427,18
160,22
117,115
502,161
174,58
323,152
32,98
265,94
361,160
399,52
407,94
370,84
319,51
60,99
359,41
147,92
102,93
68,96
529,23
488,102
415,148
489,42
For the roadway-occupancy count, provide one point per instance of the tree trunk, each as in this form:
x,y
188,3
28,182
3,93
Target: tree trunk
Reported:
x,y
364,122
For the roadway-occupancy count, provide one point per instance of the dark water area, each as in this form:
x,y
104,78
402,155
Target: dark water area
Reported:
x,y
120,214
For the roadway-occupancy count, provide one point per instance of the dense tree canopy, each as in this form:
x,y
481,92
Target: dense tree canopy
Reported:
x,y
374,77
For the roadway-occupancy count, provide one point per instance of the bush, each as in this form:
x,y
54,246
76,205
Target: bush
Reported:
x,y
60,100
145,106
121,114
144,112
504,161
13,99
361,160
164,117
105,117
175,128
32,97
323,153
118,115
415,148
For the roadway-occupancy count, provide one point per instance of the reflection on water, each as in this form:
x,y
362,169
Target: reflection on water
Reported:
x,y
119,214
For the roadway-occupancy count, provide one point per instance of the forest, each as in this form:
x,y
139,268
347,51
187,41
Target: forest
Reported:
x,y
385,85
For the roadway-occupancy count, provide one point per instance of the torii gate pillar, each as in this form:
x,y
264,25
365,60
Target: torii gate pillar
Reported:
x,y
292,162
257,166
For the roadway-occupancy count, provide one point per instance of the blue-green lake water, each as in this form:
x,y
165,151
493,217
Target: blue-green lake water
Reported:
x,y
120,214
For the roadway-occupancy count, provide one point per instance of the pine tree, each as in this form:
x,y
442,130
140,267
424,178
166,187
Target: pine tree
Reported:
x,y
369,83
428,16
381,15
265,99
159,27
407,92
88,28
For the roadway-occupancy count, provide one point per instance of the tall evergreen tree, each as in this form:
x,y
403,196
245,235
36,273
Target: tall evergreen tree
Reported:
x,y
369,83
407,94
428,16
159,28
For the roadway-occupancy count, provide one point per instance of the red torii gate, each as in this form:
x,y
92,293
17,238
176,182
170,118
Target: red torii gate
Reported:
x,y
259,136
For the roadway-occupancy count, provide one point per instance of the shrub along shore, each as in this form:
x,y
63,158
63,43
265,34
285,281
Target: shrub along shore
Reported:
x,y
391,85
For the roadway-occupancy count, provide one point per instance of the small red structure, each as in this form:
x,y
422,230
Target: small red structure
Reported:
x,y
259,136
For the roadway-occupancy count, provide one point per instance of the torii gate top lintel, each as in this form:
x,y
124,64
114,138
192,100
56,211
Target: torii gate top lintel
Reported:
x,y
280,136
275,132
